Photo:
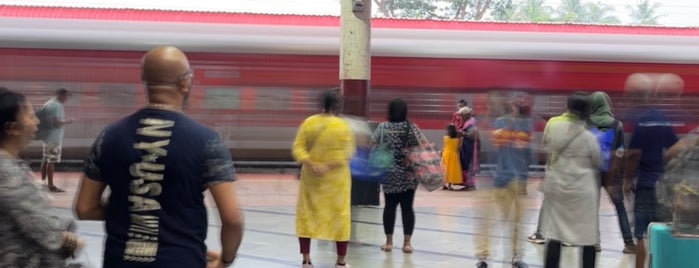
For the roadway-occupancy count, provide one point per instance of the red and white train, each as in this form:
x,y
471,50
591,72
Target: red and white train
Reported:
x,y
258,75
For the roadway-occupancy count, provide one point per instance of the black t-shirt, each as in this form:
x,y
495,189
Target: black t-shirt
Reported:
x,y
157,165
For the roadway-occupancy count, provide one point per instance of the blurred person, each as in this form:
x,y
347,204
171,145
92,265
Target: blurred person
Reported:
x,y
157,163
364,192
52,136
450,158
468,153
324,145
456,118
652,135
400,184
32,235
603,119
571,184
511,136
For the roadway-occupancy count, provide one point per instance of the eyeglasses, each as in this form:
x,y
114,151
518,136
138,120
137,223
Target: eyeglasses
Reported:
x,y
189,74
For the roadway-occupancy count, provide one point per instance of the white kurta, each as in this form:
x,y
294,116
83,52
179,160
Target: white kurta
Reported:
x,y
571,183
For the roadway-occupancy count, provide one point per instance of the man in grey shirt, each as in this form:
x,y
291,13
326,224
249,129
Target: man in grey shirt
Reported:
x,y
52,140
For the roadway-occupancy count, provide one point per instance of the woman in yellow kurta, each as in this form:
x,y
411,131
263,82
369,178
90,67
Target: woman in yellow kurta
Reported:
x,y
324,145
450,158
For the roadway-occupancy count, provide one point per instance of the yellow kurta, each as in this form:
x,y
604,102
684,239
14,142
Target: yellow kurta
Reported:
x,y
323,206
450,161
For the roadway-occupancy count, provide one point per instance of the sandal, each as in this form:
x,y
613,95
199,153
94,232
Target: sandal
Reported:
x,y
55,189
407,249
387,247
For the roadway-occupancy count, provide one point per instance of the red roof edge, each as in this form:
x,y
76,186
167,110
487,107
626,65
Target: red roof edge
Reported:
x,y
115,14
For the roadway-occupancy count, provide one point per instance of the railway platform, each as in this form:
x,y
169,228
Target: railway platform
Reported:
x,y
444,233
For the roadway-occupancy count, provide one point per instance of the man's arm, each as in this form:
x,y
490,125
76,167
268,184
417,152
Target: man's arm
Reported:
x,y
88,201
59,123
231,219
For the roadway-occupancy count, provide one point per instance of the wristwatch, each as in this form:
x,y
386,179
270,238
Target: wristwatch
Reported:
x,y
227,263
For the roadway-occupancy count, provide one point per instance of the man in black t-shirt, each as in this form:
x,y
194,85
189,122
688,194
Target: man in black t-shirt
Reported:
x,y
157,163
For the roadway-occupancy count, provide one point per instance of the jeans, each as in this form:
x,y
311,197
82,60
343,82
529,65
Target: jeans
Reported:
x,y
616,194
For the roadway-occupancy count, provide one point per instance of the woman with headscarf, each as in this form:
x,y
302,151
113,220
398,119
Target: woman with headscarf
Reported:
x,y
32,236
602,119
324,145
469,149
400,184
571,185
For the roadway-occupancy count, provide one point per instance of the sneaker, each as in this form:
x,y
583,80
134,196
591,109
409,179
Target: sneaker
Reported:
x,y
629,248
482,264
344,265
519,264
536,238
598,248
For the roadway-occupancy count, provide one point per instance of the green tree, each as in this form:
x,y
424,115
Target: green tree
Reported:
x,y
469,9
504,11
419,9
535,11
599,13
644,12
570,11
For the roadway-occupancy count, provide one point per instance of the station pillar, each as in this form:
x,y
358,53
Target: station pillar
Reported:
x,y
355,56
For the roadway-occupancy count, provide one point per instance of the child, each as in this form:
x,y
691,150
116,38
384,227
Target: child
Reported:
x,y
450,158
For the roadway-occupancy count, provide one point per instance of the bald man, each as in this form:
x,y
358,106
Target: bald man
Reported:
x,y
157,163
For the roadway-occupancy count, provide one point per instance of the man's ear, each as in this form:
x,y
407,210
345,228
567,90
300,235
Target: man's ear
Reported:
x,y
185,85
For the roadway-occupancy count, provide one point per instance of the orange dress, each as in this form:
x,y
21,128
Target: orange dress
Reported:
x,y
450,161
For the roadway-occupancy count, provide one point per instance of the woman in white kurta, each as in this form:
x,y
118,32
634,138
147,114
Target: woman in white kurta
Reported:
x,y
571,184
323,145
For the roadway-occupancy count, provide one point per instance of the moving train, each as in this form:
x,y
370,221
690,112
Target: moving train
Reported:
x,y
259,75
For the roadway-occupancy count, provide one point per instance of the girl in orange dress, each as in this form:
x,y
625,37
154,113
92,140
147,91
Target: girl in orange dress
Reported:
x,y
450,158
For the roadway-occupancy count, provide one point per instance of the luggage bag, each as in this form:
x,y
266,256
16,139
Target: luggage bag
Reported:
x,y
671,249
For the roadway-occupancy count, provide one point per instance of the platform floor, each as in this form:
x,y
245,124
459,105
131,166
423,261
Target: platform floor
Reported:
x,y
443,237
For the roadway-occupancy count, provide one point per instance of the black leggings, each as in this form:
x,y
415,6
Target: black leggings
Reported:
x,y
405,199
553,255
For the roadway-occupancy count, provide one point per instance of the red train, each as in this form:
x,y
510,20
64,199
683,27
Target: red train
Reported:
x,y
258,76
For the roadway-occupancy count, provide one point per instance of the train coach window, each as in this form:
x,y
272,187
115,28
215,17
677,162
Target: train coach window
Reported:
x,y
272,98
222,98
117,95
38,92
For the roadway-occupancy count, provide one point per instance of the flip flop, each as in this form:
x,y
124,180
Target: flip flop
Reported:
x,y
407,249
55,189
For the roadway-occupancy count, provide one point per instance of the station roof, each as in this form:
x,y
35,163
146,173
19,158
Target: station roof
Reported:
x,y
204,17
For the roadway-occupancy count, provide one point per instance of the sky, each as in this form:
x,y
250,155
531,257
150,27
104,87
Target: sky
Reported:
x,y
680,13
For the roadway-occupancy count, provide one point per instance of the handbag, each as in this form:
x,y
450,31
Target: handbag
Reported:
x,y
426,162
372,164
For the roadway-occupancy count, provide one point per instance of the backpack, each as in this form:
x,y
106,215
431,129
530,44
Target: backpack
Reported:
x,y
44,125
606,139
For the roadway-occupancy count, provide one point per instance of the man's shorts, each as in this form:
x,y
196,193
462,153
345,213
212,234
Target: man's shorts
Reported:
x,y
646,210
52,152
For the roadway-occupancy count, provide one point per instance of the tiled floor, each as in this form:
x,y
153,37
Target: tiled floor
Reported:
x,y
444,233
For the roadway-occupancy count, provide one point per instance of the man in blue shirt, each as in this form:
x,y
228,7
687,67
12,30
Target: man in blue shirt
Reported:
x,y
157,163
652,135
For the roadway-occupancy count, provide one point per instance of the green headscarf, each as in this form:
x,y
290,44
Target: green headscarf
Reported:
x,y
601,111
